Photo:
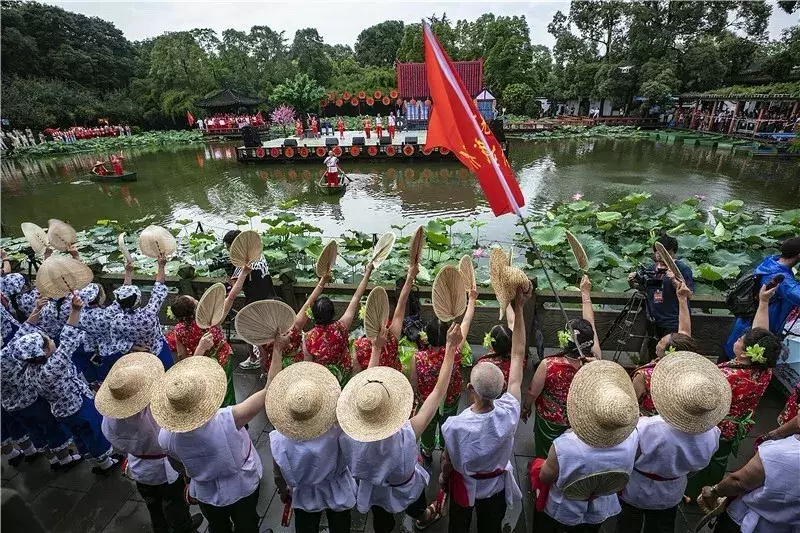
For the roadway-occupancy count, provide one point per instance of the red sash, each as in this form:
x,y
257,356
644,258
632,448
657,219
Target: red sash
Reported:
x,y
655,477
406,482
156,456
458,490
541,490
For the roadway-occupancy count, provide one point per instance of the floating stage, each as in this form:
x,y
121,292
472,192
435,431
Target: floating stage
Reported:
x,y
407,145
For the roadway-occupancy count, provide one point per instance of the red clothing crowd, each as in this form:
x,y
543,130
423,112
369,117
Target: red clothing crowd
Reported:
x,y
228,121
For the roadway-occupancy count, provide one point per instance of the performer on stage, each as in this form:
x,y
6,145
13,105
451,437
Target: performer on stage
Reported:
x,y
298,128
367,127
390,121
314,127
378,127
340,127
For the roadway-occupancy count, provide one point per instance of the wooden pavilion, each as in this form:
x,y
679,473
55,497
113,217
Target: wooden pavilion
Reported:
x,y
229,101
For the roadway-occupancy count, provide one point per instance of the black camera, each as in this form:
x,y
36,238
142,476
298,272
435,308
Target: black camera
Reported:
x,y
644,279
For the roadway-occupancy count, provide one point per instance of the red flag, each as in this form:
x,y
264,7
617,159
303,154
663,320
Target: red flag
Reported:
x,y
456,124
190,118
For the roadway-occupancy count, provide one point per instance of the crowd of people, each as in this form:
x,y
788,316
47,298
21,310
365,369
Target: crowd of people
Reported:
x,y
771,120
14,139
355,427
228,121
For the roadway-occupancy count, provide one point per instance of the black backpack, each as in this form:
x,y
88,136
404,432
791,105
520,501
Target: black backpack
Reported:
x,y
742,299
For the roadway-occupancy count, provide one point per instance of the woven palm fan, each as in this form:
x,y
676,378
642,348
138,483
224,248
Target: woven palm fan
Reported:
x,y
260,322
505,279
327,259
382,249
449,294
415,245
59,275
155,240
376,313
467,270
669,261
710,514
210,309
36,236
577,250
598,484
246,248
123,248
61,235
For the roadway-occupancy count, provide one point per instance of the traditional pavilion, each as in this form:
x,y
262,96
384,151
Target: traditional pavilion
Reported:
x,y
412,78
229,101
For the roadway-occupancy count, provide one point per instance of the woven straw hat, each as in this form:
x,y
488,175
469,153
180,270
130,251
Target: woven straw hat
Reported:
x,y
301,401
415,245
210,310
690,392
123,248
327,259
505,278
260,322
129,385
597,484
601,404
155,240
189,394
246,248
375,404
61,235
449,294
59,275
467,269
36,236
376,312
383,248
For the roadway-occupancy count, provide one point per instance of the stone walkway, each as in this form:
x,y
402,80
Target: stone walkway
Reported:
x,y
81,502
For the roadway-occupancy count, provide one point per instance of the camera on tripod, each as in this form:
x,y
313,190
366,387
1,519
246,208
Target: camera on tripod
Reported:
x,y
644,279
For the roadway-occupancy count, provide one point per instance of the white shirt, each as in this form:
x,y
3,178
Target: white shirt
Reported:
x,y
379,465
221,460
332,162
390,120
577,459
316,471
378,121
668,453
138,435
483,443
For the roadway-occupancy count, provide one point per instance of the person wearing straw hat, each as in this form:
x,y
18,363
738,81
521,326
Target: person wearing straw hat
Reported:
x,y
426,366
603,413
310,470
749,375
380,441
52,374
553,377
123,399
476,465
212,442
692,396
328,341
764,495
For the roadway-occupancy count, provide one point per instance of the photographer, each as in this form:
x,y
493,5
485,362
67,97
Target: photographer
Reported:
x,y
660,288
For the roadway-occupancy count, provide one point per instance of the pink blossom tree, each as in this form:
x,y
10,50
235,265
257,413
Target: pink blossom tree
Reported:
x,y
283,116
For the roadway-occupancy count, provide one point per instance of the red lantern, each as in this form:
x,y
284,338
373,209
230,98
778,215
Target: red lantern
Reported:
x,y
386,100
260,153
331,96
289,152
346,95
372,151
393,94
354,101
370,101
323,103
378,95
337,151
408,150
303,151
320,151
444,151
274,152
355,150
362,95
390,150
339,102
427,151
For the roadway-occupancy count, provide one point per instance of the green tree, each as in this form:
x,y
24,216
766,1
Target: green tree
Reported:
x,y
600,22
516,97
301,92
308,53
411,46
377,45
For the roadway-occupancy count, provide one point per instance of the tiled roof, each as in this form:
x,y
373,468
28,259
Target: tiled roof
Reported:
x,y
412,78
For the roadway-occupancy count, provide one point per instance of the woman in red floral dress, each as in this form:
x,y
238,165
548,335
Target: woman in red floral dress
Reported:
x,y
749,373
498,341
328,341
425,366
550,383
362,348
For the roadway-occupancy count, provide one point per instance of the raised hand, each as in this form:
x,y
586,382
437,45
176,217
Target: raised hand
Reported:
x,y
454,336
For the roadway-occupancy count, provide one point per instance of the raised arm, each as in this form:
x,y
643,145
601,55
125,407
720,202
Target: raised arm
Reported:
x,y
510,316
236,289
684,314
518,343
6,262
468,315
302,318
128,273
535,389
161,275
747,479
761,320
350,314
402,301
245,411
588,313
425,414
377,346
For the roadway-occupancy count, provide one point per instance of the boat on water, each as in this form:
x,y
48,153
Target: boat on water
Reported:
x,y
331,189
113,178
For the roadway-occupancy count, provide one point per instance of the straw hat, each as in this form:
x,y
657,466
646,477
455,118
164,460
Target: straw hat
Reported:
x,y
301,401
505,278
260,322
597,484
246,248
415,245
601,404
129,385
375,404
449,294
155,240
376,312
327,259
690,392
123,248
382,249
61,235
36,236
467,270
59,275
210,310
189,394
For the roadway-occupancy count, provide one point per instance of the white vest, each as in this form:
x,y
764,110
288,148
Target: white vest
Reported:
x,y
775,506
577,459
668,453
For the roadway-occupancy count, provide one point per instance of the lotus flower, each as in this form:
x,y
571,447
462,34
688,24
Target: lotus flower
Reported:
x,y
700,197
478,253
577,196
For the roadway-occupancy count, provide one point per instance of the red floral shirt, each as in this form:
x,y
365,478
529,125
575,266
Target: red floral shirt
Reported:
x,y
790,410
329,345
646,405
429,363
503,363
189,337
748,384
389,357
551,404
292,352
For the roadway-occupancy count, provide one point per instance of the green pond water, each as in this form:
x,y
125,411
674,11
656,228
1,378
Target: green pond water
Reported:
x,y
204,183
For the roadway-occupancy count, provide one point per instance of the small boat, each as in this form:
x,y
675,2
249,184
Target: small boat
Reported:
x,y
332,189
113,178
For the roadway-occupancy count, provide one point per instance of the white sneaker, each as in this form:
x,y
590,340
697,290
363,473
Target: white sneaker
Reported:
x,y
249,364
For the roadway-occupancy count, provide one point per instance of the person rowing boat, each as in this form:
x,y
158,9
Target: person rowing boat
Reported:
x,y
100,168
332,169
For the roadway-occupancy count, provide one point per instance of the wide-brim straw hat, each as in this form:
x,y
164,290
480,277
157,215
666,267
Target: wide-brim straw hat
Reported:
x,y
59,275
375,404
505,279
601,404
690,392
129,385
189,394
301,401
155,241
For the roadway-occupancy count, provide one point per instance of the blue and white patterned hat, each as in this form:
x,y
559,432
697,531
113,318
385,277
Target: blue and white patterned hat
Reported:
x,y
12,284
128,290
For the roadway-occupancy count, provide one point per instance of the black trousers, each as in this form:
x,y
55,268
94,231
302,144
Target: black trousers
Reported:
x,y
544,523
305,522
631,519
240,516
726,525
383,521
490,513
169,512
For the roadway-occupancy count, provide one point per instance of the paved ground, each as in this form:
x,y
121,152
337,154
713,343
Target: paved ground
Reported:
x,y
397,140
80,502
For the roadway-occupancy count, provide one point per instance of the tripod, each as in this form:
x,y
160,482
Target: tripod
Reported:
x,y
624,323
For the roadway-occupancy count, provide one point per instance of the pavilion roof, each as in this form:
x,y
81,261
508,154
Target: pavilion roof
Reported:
x,y
412,78
229,98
